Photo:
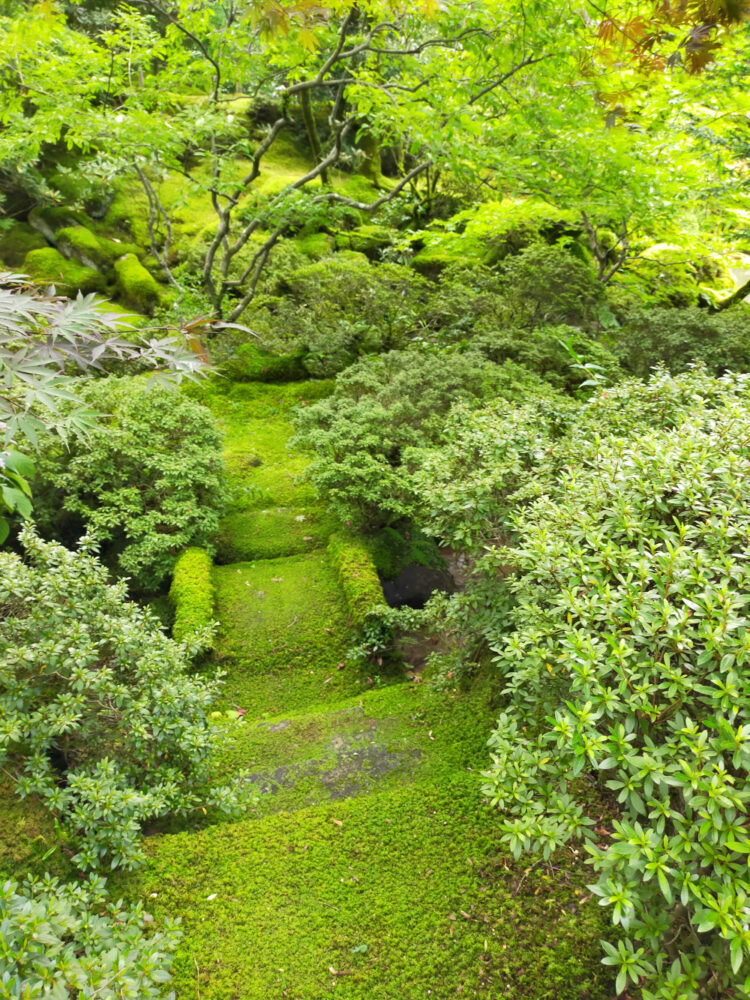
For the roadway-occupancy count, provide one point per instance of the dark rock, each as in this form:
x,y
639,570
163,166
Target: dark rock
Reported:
x,y
414,586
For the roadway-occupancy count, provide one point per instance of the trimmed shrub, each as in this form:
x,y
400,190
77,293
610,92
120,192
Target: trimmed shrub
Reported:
x,y
192,593
356,571
68,276
137,287
147,482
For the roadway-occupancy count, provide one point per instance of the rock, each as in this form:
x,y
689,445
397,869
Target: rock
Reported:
x,y
414,585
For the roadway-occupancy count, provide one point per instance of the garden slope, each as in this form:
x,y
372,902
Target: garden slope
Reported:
x,y
369,866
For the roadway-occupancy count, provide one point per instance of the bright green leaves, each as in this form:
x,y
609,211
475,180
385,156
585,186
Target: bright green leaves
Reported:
x,y
15,493
630,635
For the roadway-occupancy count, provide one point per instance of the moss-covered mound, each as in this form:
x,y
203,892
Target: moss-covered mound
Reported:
x,y
137,287
253,364
266,534
16,242
81,244
68,276
192,593
356,571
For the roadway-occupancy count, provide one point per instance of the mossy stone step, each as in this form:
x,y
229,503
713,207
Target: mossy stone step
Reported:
x,y
270,533
283,633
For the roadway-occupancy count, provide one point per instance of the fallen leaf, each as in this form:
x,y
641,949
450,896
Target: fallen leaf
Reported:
x,y
277,579
241,711
338,822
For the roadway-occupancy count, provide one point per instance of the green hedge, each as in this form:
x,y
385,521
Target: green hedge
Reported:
x,y
192,593
356,571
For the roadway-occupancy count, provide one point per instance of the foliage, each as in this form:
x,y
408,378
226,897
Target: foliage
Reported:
x,y
192,594
61,940
680,337
381,407
147,482
625,649
394,548
340,308
100,716
356,571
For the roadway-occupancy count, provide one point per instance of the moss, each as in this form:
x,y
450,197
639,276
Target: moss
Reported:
x,y
315,245
356,571
91,250
136,286
68,276
192,593
435,257
368,239
283,633
396,892
29,841
253,364
266,534
17,241
48,219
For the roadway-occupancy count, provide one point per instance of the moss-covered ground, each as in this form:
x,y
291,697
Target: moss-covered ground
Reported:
x,y
368,866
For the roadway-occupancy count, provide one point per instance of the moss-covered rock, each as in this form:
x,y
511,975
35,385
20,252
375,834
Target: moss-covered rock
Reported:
x,y
17,241
192,593
68,276
353,562
367,239
253,364
136,286
49,219
79,243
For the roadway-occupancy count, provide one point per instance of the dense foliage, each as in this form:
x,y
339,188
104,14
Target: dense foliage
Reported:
x,y
63,940
100,717
145,483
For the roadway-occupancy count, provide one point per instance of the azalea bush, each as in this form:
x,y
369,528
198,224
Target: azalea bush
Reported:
x,y
63,940
99,714
624,662
146,482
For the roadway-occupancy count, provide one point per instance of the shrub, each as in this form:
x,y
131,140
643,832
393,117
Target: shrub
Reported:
x,y
624,665
680,337
69,940
192,593
100,717
380,407
67,276
340,308
137,288
147,483
546,285
356,571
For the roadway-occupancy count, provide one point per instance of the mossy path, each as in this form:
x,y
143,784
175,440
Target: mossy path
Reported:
x,y
369,866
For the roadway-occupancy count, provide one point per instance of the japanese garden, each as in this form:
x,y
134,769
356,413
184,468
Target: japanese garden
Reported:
x,y
374,499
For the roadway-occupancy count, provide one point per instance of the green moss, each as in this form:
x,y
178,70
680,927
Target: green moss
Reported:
x,y
67,276
91,250
136,286
29,841
192,593
356,571
266,534
283,633
399,892
253,364
314,245
49,219
17,241
368,239
435,257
